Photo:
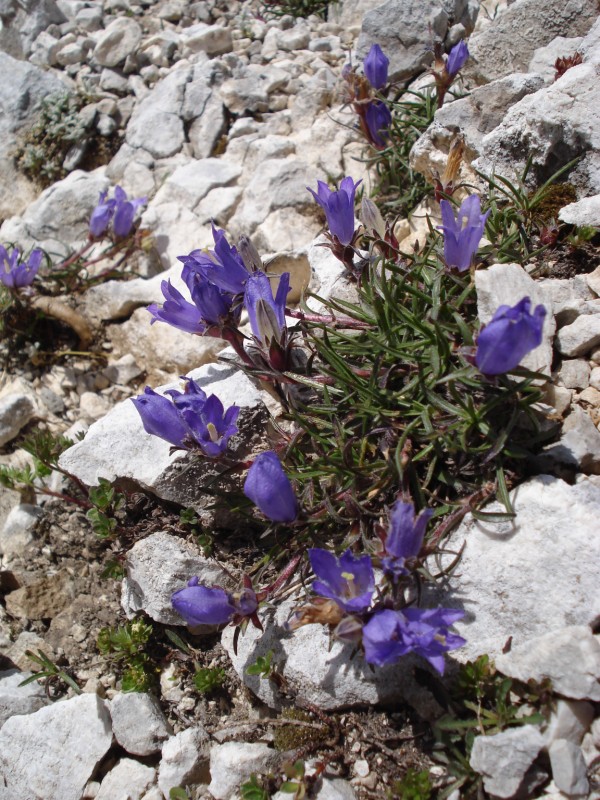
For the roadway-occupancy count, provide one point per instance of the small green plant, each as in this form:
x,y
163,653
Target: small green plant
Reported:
x,y
483,702
399,189
413,786
302,731
126,645
113,570
295,784
253,789
106,503
177,793
46,145
582,236
190,520
207,680
271,9
49,671
262,666
45,448
517,215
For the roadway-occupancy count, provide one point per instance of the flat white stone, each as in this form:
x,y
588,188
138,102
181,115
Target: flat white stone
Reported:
x,y
525,577
569,658
17,699
504,758
127,781
53,752
184,760
159,565
138,723
232,763
569,770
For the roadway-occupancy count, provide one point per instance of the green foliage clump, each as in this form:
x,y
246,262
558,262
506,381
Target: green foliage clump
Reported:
x,y
126,645
207,680
262,666
291,737
46,145
483,702
271,9
253,789
45,447
413,786
398,188
401,407
106,502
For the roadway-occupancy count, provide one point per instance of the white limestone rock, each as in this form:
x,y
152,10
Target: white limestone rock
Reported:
x,y
473,116
128,780
17,531
53,752
580,337
165,351
139,725
569,657
17,699
319,674
578,448
504,758
232,763
16,410
59,218
544,58
570,720
569,771
507,284
538,126
404,29
279,183
120,39
184,760
214,40
509,43
520,579
574,374
191,182
159,565
584,212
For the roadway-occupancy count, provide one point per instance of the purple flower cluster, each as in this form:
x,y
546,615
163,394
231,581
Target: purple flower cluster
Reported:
x,y
508,337
14,273
386,634
220,283
119,211
389,635
189,420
